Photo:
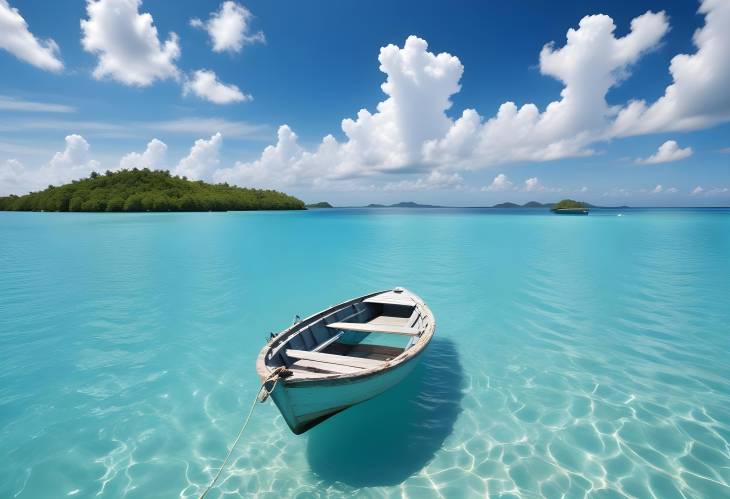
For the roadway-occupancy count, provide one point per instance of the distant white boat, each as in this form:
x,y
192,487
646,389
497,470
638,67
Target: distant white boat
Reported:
x,y
345,355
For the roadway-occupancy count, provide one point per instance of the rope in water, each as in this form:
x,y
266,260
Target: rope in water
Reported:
x,y
275,375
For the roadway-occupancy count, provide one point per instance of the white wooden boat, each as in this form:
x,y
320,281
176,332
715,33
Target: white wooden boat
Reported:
x,y
344,355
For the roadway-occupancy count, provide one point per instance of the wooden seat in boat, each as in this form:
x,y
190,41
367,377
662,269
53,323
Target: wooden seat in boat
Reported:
x,y
387,320
369,327
340,360
391,298
325,366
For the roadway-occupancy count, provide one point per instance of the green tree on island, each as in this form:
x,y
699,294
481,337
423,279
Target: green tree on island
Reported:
x,y
147,190
568,204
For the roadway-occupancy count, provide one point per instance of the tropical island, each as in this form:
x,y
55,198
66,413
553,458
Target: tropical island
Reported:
x,y
147,190
321,204
571,207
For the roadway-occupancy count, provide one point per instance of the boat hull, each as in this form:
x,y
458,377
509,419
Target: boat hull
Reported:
x,y
571,211
306,403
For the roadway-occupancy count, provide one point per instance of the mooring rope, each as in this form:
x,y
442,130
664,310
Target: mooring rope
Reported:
x,y
276,374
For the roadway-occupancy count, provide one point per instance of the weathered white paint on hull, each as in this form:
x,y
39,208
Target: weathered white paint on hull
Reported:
x,y
304,405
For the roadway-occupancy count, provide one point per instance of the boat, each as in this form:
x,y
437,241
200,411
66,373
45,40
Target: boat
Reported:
x,y
344,355
571,211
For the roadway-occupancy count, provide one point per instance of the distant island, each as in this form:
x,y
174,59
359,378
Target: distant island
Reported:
x,y
570,207
147,190
321,204
510,205
530,204
566,204
403,204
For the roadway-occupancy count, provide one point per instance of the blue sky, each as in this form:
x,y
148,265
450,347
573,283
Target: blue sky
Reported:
x,y
203,88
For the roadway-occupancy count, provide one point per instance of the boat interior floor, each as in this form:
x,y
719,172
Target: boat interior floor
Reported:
x,y
374,352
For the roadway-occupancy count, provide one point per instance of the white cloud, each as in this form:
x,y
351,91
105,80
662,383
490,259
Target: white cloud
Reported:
x,y
532,184
9,103
202,160
11,174
410,130
229,28
667,152
285,160
658,189
715,191
153,157
19,41
500,183
127,44
419,85
72,163
672,190
591,62
698,96
205,85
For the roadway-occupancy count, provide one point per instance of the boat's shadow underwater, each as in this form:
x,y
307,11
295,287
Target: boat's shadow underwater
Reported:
x,y
387,439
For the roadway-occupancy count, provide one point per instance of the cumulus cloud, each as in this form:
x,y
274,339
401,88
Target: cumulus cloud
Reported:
x,y
500,183
658,189
410,130
229,28
532,184
418,85
16,38
205,84
202,160
153,157
286,159
698,96
715,191
667,152
126,43
72,163
11,175
591,62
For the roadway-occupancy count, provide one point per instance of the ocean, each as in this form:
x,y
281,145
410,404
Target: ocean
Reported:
x,y
574,356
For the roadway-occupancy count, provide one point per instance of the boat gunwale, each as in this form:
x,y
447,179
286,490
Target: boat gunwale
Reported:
x,y
407,355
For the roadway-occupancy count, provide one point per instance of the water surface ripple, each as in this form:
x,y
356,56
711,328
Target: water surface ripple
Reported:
x,y
574,356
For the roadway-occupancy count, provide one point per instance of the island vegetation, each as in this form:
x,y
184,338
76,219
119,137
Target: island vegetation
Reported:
x,y
321,204
147,190
569,204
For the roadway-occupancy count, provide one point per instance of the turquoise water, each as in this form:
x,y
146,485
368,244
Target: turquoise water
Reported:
x,y
585,356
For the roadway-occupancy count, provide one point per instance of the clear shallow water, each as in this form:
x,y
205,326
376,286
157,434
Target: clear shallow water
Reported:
x,y
585,356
